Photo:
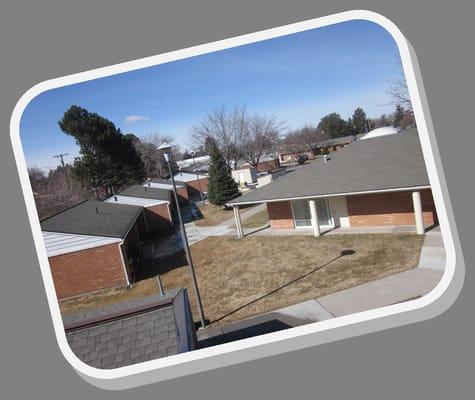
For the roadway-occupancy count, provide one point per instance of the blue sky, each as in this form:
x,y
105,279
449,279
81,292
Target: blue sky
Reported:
x,y
296,78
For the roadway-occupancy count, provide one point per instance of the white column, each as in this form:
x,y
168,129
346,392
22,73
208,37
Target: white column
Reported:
x,y
417,203
314,216
237,217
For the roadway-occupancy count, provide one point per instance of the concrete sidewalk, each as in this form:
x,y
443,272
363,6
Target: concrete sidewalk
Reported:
x,y
227,228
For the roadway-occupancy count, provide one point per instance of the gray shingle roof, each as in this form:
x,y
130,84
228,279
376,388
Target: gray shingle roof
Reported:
x,y
147,192
384,163
119,335
94,217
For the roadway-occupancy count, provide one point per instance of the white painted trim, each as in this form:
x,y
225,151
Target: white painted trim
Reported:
x,y
135,201
407,189
101,242
124,266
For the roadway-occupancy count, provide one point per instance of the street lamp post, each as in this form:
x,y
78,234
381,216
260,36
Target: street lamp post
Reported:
x,y
167,154
197,177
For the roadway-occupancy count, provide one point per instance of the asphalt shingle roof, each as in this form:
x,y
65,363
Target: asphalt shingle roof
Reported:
x,y
147,192
120,340
94,217
384,163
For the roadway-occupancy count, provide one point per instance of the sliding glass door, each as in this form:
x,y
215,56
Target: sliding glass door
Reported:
x,y
303,218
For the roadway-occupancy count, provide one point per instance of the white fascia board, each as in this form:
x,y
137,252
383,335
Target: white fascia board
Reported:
x,y
317,196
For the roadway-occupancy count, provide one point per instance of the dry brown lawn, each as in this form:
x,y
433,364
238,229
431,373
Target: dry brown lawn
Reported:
x,y
232,273
109,296
278,270
213,215
257,220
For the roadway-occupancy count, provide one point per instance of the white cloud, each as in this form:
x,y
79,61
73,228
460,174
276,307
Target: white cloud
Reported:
x,y
136,118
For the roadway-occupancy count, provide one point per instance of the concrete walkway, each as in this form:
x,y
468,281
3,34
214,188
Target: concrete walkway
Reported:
x,y
227,228
392,289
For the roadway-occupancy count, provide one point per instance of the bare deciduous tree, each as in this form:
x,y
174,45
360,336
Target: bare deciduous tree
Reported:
x,y
154,163
57,191
305,138
261,136
227,128
399,93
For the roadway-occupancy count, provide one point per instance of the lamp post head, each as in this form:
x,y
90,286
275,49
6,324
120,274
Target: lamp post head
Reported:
x,y
166,149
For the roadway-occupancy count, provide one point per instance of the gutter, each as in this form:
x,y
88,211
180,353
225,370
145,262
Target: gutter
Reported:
x,y
403,189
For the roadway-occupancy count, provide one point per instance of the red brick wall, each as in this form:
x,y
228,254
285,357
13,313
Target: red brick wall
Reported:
x,y
267,166
158,217
396,208
87,270
196,185
280,215
182,193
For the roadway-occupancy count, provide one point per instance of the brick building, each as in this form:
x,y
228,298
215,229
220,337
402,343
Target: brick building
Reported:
x,y
375,182
93,246
165,184
157,204
195,183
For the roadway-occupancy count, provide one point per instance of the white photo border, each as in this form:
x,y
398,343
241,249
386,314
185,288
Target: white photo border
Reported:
x,y
428,306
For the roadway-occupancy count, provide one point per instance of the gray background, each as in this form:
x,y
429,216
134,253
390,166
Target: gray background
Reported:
x,y
40,40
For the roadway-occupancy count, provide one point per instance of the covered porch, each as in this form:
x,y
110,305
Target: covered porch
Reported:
x,y
330,215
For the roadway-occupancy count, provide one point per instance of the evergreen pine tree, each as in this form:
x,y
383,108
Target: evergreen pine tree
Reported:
x,y
221,187
359,121
108,159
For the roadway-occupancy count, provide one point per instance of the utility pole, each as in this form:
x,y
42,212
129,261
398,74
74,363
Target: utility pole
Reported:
x,y
61,157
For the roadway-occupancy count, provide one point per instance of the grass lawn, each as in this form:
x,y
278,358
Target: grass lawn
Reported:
x,y
213,215
256,220
109,296
232,273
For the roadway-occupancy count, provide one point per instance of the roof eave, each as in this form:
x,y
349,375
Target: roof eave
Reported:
x,y
316,196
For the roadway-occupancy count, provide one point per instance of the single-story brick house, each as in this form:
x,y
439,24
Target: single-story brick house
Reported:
x,y
92,246
133,331
165,184
287,156
376,182
157,204
195,183
330,145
